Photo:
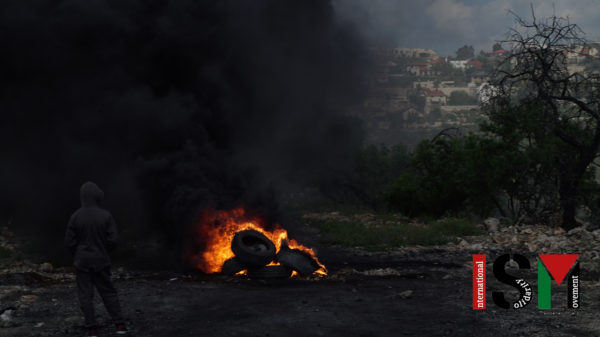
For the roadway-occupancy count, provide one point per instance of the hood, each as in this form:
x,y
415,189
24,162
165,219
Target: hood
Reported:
x,y
90,194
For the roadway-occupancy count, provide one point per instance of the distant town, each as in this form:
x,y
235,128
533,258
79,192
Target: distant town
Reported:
x,y
414,93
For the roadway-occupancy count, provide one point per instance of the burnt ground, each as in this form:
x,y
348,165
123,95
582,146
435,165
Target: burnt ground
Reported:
x,y
365,295
413,291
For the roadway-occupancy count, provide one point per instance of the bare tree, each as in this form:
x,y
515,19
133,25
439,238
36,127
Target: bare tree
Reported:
x,y
538,71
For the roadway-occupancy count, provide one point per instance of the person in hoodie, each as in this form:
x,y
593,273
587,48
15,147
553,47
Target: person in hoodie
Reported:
x,y
91,234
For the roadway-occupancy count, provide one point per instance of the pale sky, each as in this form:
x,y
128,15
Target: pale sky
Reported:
x,y
446,25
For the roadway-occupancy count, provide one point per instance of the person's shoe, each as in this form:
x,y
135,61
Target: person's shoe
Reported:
x,y
121,329
92,332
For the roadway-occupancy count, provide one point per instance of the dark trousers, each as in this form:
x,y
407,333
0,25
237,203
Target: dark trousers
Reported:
x,y
86,282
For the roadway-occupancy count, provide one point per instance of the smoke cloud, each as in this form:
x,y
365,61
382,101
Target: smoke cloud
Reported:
x,y
170,106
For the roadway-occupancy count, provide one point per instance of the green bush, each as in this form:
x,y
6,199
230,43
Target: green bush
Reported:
x,y
453,176
389,236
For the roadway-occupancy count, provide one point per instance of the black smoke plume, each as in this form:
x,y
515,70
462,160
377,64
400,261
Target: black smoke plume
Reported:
x,y
170,107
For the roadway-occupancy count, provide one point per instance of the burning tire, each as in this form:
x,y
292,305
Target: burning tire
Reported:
x,y
232,267
277,271
297,260
252,248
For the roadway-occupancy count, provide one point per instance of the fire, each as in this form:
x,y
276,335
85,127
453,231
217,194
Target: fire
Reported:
x,y
210,244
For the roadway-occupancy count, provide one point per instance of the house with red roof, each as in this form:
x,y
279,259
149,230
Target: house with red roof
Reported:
x,y
420,68
476,64
434,96
424,68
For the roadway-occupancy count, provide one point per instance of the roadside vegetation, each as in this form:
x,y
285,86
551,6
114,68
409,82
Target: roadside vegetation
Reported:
x,y
532,160
392,234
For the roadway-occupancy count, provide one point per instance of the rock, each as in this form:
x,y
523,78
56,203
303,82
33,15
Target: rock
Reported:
x,y
531,246
463,244
492,224
499,239
405,294
6,316
527,231
558,231
574,231
46,267
476,246
586,236
39,325
28,298
583,213
564,244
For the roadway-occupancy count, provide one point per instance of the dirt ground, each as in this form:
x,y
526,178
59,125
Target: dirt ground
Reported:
x,y
409,292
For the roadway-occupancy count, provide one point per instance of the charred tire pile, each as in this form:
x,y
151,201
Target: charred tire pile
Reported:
x,y
252,248
254,251
297,260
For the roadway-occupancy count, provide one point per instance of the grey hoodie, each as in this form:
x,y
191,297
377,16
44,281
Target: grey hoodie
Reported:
x,y
91,232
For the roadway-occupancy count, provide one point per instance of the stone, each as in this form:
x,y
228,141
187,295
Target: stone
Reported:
x,y
499,239
463,244
405,294
527,231
28,298
531,246
6,316
46,267
476,246
492,224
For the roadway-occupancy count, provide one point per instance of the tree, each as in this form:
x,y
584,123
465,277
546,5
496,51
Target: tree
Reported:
x,y
535,76
465,52
497,46
453,174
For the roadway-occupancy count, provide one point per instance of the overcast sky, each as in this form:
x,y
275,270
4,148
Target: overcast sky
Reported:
x,y
446,25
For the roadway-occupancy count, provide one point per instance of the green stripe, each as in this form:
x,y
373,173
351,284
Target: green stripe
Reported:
x,y
544,291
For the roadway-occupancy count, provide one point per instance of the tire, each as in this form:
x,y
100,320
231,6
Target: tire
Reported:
x,y
297,260
270,272
252,248
232,267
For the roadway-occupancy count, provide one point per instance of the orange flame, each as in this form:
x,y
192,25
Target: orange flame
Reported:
x,y
210,244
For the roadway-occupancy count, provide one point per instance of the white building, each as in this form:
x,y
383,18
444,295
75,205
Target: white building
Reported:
x,y
460,64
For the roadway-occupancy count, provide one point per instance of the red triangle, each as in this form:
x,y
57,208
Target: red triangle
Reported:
x,y
558,264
